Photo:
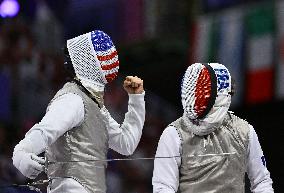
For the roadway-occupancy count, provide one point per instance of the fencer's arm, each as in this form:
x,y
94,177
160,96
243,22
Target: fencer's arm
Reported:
x,y
256,167
166,170
64,113
124,138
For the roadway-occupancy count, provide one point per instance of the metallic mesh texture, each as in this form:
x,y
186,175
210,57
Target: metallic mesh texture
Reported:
x,y
94,57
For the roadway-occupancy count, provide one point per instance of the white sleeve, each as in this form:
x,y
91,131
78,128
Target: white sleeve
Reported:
x,y
256,167
166,170
124,138
64,113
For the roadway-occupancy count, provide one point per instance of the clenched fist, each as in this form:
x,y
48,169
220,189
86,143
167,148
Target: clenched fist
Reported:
x,y
133,85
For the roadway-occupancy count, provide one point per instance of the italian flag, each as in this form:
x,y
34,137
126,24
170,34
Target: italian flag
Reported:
x,y
259,50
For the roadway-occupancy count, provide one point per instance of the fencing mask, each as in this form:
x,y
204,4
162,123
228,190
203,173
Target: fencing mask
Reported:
x,y
206,96
94,59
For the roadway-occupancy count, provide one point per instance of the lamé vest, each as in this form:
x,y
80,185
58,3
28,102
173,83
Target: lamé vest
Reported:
x,y
207,165
68,156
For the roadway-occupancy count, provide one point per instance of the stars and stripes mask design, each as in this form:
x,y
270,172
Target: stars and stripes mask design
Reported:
x,y
94,58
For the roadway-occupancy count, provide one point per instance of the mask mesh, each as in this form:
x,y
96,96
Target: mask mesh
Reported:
x,y
94,57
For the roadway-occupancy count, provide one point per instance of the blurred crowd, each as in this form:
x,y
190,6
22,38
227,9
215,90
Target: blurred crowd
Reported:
x,y
30,75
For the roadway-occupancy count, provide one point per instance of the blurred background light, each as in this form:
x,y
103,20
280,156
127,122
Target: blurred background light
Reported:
x,y
9,8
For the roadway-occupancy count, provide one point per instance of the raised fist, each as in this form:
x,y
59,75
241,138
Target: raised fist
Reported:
x,y
133,85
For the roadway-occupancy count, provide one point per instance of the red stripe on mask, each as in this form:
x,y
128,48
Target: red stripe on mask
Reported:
x,y
110,66
202,91
111,77
107,57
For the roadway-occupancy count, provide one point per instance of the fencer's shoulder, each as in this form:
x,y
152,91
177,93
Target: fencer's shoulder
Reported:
x,y
66,98
170,130
241,125
175,128
69,90
170,135
64,89
237,118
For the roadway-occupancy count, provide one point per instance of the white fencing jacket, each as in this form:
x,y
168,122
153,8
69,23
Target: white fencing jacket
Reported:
x,y
67,112
166,171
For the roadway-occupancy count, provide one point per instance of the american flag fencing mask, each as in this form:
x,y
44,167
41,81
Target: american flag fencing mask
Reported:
x,y
94,58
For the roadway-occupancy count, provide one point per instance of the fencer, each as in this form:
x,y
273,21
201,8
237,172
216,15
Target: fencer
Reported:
x,y
77,126
213,147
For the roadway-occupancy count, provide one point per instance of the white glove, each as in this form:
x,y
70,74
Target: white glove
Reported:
x,y
29,164
25,157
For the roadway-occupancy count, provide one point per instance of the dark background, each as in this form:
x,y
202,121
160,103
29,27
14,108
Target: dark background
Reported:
x,y
156,40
